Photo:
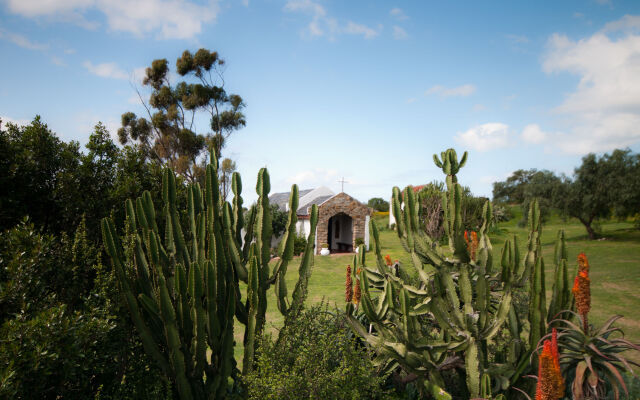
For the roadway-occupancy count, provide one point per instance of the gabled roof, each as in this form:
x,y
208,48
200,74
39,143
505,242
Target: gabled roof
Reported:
x,y
306,197
282,199
304,210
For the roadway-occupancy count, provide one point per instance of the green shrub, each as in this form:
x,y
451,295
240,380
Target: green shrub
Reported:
x,y
316,357
63,333
359,241
40,270
299,244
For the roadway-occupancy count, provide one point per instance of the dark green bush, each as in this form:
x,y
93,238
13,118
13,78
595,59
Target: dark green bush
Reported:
x,y
378,204
63,331
316,357
41,270
299,244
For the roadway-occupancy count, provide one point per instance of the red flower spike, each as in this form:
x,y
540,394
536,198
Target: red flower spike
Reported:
x,y
550,382
348,287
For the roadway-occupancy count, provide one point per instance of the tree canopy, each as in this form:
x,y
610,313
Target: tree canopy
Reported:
x,y
170,133
378,204
602,187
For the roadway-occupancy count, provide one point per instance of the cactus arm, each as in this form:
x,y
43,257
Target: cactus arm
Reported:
x,y
114,250
397,212
537,309
500,317
436,391
263,220
472,366
248,236
250,330
238,215
234,252
173,341
306,265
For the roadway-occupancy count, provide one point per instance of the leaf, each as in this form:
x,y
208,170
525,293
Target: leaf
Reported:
x,y
578,381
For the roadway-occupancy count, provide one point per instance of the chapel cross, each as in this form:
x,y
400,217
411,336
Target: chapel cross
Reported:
x,y
343,182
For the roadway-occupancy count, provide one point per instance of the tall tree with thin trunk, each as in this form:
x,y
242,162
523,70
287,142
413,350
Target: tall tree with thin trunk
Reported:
x,y
170,134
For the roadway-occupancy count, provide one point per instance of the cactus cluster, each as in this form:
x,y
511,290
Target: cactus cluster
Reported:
x,y
461,301
183,290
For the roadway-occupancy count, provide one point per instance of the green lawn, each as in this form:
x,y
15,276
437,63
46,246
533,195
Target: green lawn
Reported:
x,y
615,270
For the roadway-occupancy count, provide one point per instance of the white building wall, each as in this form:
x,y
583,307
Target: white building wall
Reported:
x,y
392,219
366,231
303,227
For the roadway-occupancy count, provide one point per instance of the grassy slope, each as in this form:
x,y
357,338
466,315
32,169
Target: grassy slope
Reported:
x,y
615,270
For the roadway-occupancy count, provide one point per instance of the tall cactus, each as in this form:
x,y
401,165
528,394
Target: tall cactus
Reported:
x,y
462,299
455,292
183,291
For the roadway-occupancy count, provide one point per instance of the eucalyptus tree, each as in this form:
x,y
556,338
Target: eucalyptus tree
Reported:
x,y
170,133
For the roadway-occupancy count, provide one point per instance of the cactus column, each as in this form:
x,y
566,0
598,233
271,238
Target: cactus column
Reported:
x,y
182,291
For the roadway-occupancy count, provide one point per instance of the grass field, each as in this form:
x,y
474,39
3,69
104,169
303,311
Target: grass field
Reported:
x,y
615,270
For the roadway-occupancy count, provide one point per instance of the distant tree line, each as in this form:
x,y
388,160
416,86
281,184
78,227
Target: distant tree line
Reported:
x,y
601,187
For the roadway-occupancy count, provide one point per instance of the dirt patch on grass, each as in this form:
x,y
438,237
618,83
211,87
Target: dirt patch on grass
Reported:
x,y
621,288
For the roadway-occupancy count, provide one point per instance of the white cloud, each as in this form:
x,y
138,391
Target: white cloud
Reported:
x,y
106,70
139,74
533,134
518,39
461,91
315,178
84,123
485,137
358,29
399,33
170,19
22,41
6,120
322,24
604,109
306,6
58,61
626,23
398,14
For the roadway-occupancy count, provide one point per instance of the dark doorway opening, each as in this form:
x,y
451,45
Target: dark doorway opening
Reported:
x,y
340,233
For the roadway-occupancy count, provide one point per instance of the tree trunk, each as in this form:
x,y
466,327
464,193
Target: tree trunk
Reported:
x,y
590,231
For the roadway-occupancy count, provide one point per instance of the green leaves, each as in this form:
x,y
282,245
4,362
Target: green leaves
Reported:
x,y
594,359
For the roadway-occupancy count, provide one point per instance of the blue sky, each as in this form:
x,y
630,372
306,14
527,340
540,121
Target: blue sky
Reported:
x,y
364,90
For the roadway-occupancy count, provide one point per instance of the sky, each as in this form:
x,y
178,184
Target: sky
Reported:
x,y
367,91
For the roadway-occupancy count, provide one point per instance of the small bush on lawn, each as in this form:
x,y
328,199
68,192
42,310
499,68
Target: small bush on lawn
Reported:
x,y
299,244
315,357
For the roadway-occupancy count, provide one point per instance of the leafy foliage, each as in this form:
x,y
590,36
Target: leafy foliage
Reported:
x,y
378,204
594,359
524,186
62,335
38,167
279,220
169,135
315,357
602,186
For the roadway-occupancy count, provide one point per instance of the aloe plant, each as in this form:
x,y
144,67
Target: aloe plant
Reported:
x,y
183,291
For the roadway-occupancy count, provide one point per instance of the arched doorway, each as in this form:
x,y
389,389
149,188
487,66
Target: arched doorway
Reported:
x,y
340,233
